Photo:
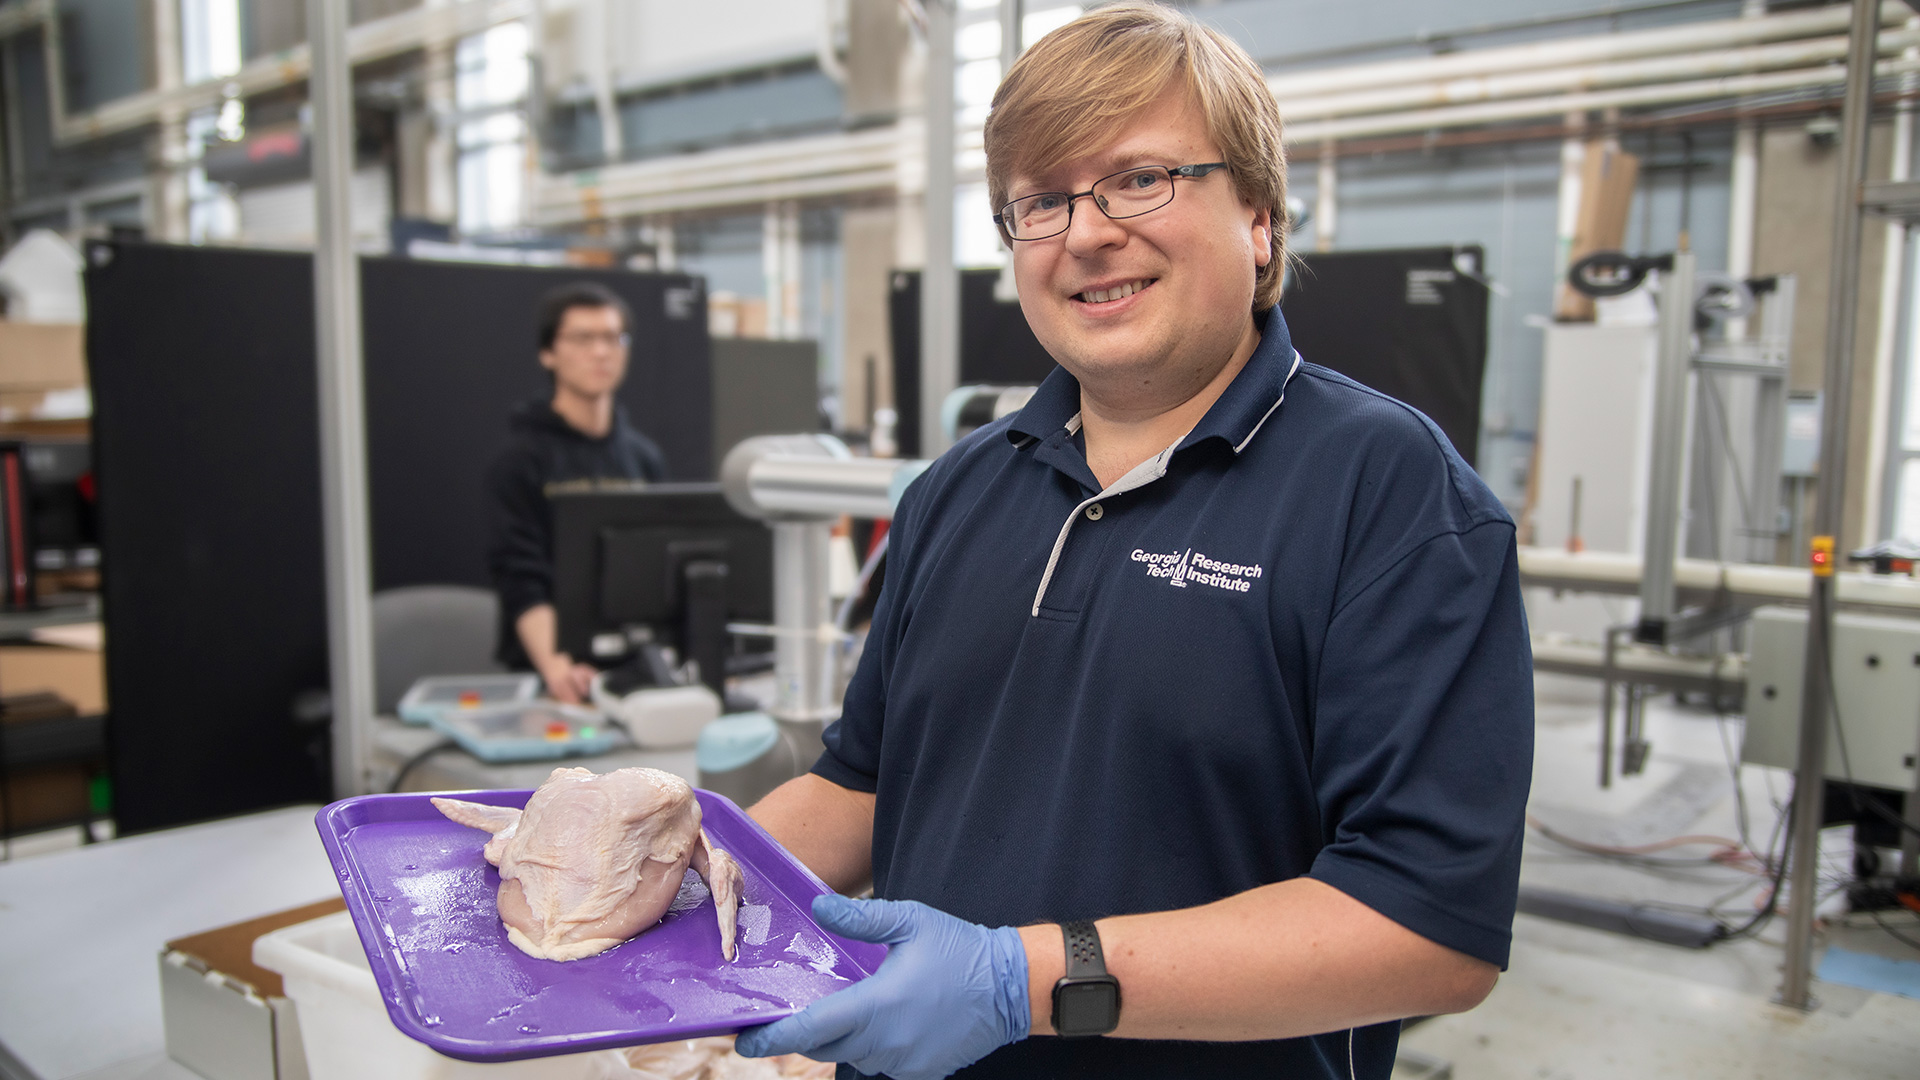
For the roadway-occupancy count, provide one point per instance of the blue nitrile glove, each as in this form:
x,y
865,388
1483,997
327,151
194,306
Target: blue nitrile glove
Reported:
x,y
948,994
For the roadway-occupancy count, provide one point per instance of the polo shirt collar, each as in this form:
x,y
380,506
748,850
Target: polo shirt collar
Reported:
x,y
1234,419
1053,407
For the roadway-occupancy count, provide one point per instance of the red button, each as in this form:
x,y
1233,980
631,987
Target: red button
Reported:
x,y
556,730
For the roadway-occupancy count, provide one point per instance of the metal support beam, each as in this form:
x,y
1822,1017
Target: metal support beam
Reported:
x,y
1668,456
1326,199
940,279
169,196
1842,301
1910,836
343,444
1013,18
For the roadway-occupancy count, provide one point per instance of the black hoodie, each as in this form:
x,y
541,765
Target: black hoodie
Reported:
x,y
545,450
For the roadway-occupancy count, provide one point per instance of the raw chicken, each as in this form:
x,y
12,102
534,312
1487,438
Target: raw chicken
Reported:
x,y
594,860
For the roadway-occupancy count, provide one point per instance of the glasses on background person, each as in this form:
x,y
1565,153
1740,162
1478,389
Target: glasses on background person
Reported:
x,y
582,338
1128,193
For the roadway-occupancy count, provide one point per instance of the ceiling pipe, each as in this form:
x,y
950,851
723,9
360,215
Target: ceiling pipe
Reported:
x,y
800,168
1575,51
1633,97
1666,69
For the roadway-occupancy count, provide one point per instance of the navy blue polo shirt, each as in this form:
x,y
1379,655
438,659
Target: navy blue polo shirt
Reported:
x,y
1292,644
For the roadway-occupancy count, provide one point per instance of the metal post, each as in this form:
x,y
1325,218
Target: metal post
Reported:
x,y
1809,781
343,444
806,691
940,280
169,220
605,103
1669,452
1910,836
1326,202
1013,18
802,611
1607,689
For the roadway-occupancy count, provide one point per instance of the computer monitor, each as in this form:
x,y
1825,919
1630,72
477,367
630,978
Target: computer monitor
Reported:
x,y
640,566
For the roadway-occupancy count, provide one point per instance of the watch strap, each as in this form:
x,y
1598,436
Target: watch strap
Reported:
x,y
1084,957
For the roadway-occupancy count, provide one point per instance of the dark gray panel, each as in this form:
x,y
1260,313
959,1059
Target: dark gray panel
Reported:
x,y
763,388
732,112
106,50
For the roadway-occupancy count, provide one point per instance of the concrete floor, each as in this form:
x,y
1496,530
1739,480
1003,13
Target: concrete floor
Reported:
x,y
1579,1004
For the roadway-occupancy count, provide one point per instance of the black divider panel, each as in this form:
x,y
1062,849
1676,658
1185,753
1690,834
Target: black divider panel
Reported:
x,y
1410,323
207,456
997,347
451,348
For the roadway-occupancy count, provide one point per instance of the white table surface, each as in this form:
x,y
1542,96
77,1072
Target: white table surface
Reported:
x,y
81,932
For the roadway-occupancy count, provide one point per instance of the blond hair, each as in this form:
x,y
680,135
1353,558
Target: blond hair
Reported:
x,y
1066,96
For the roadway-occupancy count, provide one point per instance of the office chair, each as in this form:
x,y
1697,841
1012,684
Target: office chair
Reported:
x,y
425,630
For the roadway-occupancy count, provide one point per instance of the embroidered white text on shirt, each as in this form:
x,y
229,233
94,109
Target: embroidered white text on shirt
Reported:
x,y
1182,568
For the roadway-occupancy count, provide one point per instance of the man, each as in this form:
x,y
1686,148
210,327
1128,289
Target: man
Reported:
x,y
581,433
1209,662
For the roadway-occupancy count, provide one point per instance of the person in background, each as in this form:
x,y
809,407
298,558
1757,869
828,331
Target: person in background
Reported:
x,y
1194,732
580,433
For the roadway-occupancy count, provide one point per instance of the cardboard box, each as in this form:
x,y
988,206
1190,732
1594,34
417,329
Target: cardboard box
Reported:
x,y
227,1018
1607,178
42,356
42,796
78,675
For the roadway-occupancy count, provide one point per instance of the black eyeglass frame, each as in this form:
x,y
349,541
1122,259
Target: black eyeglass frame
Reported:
x,y
1181,172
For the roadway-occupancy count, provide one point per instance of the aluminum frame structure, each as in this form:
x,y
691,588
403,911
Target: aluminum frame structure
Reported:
x,y
799,485
1809,785
343,426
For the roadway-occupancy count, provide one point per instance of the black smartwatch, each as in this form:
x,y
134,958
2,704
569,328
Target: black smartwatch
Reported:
x,y
1087,1001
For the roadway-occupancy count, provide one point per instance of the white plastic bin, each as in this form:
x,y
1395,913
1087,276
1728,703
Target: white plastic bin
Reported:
x,y
344,1024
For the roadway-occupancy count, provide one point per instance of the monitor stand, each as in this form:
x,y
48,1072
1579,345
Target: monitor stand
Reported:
x,y
703,630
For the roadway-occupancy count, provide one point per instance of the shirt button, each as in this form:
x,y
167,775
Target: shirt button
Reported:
x,y
1095,512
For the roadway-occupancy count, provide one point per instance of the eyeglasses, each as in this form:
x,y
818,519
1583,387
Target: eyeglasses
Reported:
x,y
597,337
1125,194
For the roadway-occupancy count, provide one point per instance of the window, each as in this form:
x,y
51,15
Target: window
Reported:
x,y
489,91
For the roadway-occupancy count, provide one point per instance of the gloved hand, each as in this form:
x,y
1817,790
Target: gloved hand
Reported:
x,y
948,994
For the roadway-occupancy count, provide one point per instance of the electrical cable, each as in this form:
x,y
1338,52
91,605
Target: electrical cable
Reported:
x,y
1753,926
1724,843
1719,405
1897,935
413,762
1741,817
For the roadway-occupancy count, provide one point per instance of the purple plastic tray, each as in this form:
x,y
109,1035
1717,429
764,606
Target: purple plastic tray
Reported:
x,y
422,899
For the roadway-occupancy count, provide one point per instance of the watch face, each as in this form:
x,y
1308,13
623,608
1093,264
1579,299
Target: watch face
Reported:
x,y
1088,1008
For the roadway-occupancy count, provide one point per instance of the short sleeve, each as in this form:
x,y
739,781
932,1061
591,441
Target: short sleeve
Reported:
x,y
1423,741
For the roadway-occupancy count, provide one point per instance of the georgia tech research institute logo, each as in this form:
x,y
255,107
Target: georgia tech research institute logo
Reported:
x,y
1182,568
